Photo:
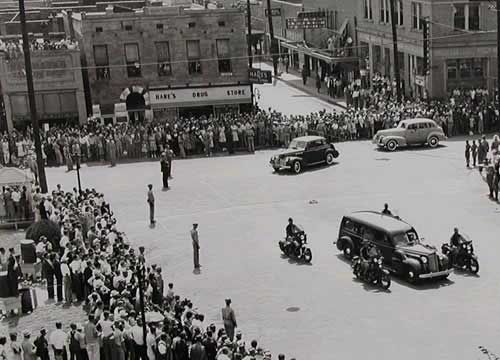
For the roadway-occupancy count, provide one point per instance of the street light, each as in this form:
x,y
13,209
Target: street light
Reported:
x,y
76,159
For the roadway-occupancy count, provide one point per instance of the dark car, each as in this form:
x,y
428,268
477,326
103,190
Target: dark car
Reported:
x,y
403,252
305,151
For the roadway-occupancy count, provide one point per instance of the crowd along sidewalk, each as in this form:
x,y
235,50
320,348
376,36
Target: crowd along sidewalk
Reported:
x,y
294,79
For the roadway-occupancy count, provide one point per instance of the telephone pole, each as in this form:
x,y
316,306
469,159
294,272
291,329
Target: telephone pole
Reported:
x,y
271,35
249,44
31,97
498,49
394,19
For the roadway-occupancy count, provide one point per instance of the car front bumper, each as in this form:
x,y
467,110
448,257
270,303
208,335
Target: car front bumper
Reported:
x,y
279,164
435,274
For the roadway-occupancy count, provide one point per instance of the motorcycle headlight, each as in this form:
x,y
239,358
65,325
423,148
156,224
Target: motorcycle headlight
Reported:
x,y
464,246
424,260
302,237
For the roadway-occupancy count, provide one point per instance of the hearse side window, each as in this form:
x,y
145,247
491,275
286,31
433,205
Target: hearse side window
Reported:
x,y
422,126
351,226
412,126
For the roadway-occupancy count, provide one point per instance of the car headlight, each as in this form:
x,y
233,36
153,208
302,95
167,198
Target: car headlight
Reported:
x,y
424,260
464,246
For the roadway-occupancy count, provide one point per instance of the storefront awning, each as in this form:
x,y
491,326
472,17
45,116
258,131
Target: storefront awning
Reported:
x,y
322,55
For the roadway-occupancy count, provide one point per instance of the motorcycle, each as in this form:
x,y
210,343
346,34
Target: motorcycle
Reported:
x,y
375,274
295,247
464,257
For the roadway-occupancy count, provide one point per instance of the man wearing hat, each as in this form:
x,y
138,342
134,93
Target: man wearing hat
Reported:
x,y
151,202
229,319
29,349
42,345
196,246
165,169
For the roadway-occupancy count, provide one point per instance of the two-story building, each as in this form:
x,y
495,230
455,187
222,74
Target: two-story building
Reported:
x,y
164,61
58,87
462,44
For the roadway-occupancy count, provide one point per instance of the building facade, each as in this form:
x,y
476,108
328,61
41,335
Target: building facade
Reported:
x,y
164,62
58,87
462,44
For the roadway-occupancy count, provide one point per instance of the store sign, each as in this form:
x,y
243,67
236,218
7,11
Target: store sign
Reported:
x,y
305,23
420,80
194,95
274,12
258,76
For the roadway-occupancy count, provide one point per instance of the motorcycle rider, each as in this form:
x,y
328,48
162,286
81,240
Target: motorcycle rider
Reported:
x,y
368,253
290,229
455,242
291,235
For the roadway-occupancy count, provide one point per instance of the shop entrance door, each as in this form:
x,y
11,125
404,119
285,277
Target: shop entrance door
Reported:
x,y
135,107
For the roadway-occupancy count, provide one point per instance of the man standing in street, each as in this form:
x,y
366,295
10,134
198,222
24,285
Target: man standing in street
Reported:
x,y
92,339
170,156
196,246
151,202
57,341
165,169
229,319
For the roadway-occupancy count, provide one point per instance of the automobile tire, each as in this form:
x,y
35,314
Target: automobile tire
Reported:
x,y
433,141
348,251
391,145
297,167
282,247
473,266
357,270
385,281
307,255
329,158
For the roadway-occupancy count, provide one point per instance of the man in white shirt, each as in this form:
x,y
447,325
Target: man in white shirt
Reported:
x,y
105,327
137,336
57,341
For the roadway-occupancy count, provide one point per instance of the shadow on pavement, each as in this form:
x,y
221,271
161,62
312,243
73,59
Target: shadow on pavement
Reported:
x,y
412,148
431,284
371,287
309,169
295,261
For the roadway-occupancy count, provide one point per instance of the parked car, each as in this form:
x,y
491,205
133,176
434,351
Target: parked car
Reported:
x,y
403,252
419,131
305,151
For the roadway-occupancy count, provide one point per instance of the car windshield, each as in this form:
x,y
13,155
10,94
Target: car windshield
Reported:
x,y
297,144
406,238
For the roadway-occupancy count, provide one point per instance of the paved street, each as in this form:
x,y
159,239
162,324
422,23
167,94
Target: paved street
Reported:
x,y
242,208
286,99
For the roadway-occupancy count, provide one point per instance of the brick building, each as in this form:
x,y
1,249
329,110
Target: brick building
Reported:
x,y
164,61
462,46
58,87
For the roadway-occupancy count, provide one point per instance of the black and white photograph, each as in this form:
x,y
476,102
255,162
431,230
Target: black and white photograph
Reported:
x,y
249,179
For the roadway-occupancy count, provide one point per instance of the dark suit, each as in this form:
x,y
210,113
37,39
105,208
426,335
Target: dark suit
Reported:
x,y
165,171
48,270
59,280
198,352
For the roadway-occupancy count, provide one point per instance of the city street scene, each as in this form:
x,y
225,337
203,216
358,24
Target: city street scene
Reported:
x,y
224,180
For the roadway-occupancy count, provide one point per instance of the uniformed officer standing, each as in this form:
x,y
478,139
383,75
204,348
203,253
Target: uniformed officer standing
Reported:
x,y
229,319
151,202
170,156
196,246
165,169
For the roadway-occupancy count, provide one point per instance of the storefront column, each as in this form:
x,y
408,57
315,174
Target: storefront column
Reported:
x,y
8,112
81,106
370,64
407,72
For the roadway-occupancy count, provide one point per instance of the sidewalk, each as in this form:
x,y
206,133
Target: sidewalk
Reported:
x,y
294,79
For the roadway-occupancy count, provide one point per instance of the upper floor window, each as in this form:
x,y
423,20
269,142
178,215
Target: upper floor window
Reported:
x,y
133,60
101,61
368,12
163,58
194,56
223,56
416,14
399,12
385,11
466,16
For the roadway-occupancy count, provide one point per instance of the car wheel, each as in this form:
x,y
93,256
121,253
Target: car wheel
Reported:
x,y
433,141
348,251
385,281
307,255
297,167
391,145
329,158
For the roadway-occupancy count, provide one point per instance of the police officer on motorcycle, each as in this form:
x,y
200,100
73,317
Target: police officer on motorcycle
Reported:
x,y
291,235
290,229
455,242
368,253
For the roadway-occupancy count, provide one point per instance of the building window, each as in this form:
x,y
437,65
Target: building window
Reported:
x,y
466,16
133,60
101,61
223,56
368,12
128,27
191,25
222,23
416,14
163,58
385,12
451,65
194,56
98,29
159,28
466,69
399,11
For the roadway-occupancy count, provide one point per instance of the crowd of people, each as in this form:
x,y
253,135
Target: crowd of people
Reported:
x,y
14,48
16,203
93,264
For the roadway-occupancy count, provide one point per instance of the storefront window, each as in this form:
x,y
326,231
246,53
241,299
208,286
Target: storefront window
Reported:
x,y
465,68
459,16
452,69
478,69
223,56
194,56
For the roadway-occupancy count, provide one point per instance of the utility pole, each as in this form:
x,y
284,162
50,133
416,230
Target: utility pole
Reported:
x,y
271,35
140,278
249,40
394,19
31,98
